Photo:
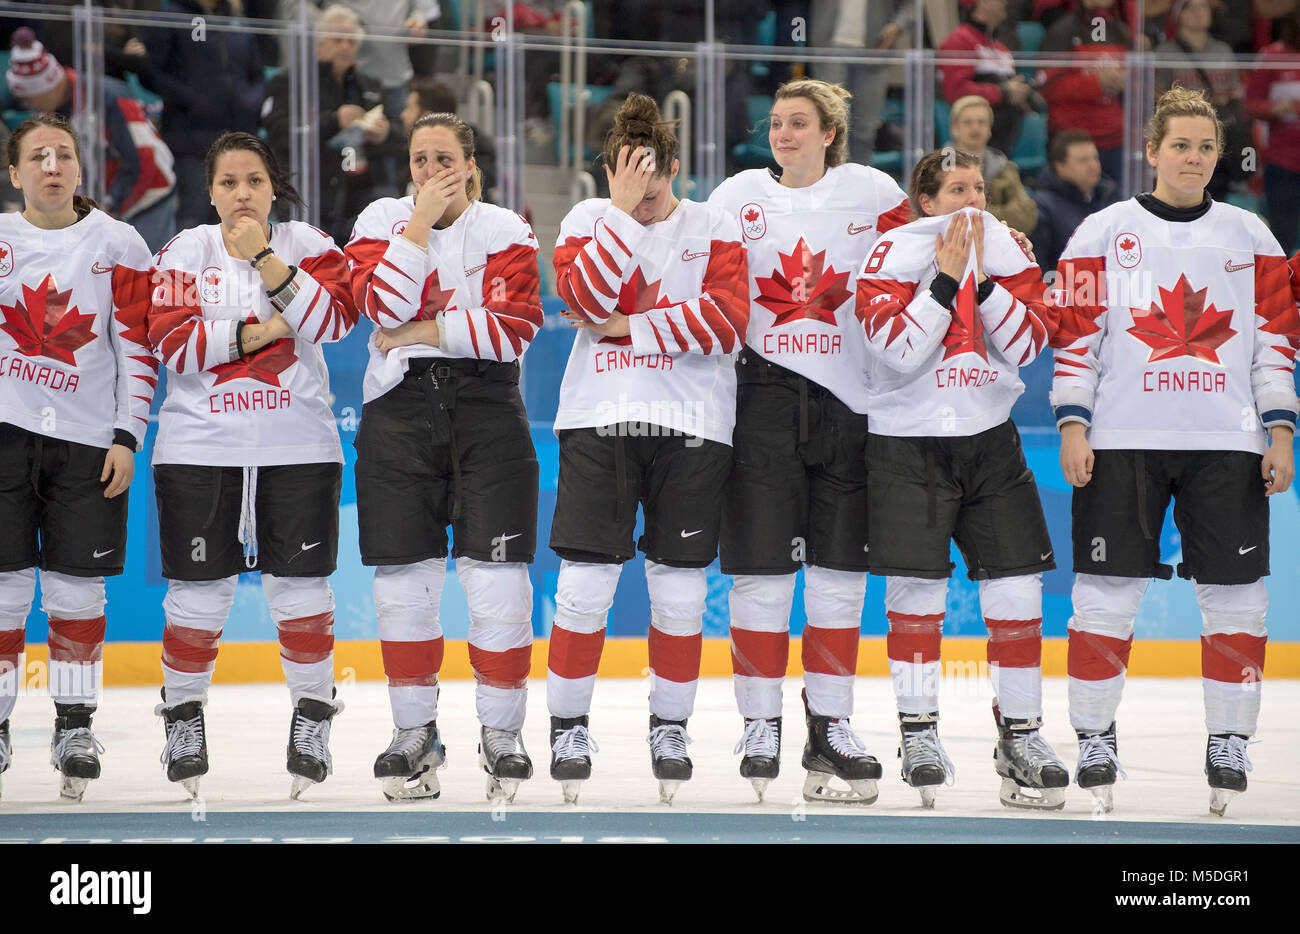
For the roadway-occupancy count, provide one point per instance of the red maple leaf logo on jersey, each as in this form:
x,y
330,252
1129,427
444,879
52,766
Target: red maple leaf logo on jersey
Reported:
x,y
803,287
635,297
434,299
3,252
1127,244
42,324
751,215
263,365
966,331
1180,325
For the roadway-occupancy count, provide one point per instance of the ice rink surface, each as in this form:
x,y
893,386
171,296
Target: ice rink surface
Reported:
x,y
1161,746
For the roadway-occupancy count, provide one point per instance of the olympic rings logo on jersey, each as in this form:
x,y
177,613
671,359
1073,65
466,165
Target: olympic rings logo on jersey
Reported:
x,y
6,259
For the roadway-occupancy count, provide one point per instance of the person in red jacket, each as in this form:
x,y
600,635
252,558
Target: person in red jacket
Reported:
x,y
994,78
1273,94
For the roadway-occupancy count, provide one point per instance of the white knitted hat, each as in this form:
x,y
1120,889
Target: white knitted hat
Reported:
x,y
32,70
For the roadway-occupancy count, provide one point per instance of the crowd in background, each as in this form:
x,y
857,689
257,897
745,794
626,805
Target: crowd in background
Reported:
x,y
167,97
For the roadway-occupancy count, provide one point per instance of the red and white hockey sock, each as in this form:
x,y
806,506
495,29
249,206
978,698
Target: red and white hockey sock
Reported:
x,y
833,603
915,609
1100,639
407,601
500,598
583,597
1013,614
760,640
17,589
677,599
1233,640
195,611
303,611
75,606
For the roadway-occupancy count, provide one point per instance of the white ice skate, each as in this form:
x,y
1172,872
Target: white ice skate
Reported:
x,y
502,755
571,747
1226,765
408,767
925,766
1098,766
1033,777
668,759
761,744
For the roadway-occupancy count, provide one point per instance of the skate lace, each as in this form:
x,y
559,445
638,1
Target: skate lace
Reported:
x,y
760,739
668,741
184,738
78,741
1095,750
407,741
574,743
4,752
1037,751
312,738
844,741
1230,752
922,747
502,743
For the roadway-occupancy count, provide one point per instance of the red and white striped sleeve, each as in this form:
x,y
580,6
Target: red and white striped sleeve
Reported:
x,y
511,313
896,216
1080,309
184,341
1015,313
712,322
1277,334
902,327
388,271
317,300
137,364
591,254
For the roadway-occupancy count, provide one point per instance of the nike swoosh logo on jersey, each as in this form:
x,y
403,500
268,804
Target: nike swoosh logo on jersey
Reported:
x,y
686,534
1044,557
1230,266
100,554
478,268
687,255
857,230
1246,551
306,547
100,270
505,538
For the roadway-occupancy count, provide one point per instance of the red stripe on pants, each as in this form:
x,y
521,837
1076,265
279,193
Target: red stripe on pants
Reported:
x,y
830,651
76,640
759,654
12,642
1091,657
1234,658
914,639
575,654
675,658
1010,646
508,669
307,639
412,664
189,650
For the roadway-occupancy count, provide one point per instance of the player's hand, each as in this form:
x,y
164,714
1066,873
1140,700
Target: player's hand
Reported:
x,y
952,248
1278,466
247,236
1076,454
437,192
119,467
412,332
616,325
630,178
1021,241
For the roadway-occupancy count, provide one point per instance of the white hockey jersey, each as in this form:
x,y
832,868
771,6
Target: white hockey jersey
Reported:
x,y
805,247
937,371
273,406
1175,335
684,286
478,279
75,361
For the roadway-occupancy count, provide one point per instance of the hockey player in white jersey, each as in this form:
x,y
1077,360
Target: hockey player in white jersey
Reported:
x,y
1174,379
76,380
797,492
659,290
451,285
952,307
247,464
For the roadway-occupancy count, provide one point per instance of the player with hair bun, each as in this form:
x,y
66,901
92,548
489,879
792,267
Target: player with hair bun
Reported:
x,y
76,380
247,464
658,288
1174,380
952,308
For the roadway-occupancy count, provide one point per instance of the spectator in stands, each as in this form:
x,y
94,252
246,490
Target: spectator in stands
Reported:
x,y
207,88
1232,25
1274,95
969,127
879,25
352,125
138,172
1089,96
1069,189
428,95
995,79
1179,61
